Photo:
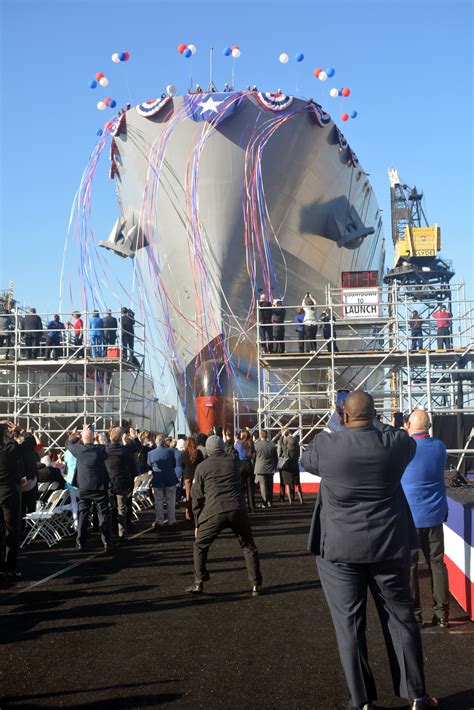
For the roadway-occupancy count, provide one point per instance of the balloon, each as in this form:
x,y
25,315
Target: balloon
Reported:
x,y
101,106
99,76
92,84
115,58
107,101
171,89
181,48
99,132
283,58
112,103
122,56
353,114
330,72
339,93
346,92
192,48
322,76
299,57
317,72
227,51
344,116
236,52
187,53
127,56
104,81
234,46
334,92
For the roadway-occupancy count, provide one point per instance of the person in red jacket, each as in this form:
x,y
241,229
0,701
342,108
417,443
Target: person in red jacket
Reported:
x,y
77,333
444,320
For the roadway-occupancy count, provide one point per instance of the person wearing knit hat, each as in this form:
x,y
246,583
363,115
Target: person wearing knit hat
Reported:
x,y
218,503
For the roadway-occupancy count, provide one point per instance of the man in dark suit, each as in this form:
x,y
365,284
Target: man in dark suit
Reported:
x,y
92,480
362,532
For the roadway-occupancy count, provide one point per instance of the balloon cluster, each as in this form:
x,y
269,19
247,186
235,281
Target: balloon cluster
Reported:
x,y
187,50
284,58
107,102
340,92
324,74
233,51
99,79
120,57
346,116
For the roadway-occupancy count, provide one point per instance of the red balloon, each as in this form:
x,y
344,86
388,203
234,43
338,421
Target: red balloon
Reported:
x,y
108,124
99,76
346,92
181,48
234,46
107,101
317,72
345,117
127,56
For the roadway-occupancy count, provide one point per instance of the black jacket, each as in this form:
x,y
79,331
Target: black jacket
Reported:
x,y
30,457
32,322
265,312
10,470
190,466
91,473
278,315
120,467
361,514
128,324
111,324
217,487
6,323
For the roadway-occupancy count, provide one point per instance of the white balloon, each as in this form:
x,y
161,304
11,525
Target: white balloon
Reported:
x,y
101,106
104,81
283,58
171,89
115,58
192,48
236,53
322,76
334,92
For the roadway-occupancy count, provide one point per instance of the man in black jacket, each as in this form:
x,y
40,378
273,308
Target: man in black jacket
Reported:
x,y
32,334
6,334
128,334
110,328
362,532
92,481
120,465
266,329
278,320
218,503
11,471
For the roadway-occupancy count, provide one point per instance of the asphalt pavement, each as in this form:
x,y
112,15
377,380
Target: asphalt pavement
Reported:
x,y
88,630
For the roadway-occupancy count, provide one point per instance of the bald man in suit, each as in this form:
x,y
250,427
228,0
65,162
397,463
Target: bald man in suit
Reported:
x,y
362,533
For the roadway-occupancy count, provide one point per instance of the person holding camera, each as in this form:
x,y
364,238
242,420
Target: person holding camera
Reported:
x,y
362,534
310,322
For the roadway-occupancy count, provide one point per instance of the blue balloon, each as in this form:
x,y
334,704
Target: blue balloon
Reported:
x,y
92,84
339,93
187,53
99,132
330,72
299,57
227,52
353,114
113,103
122,56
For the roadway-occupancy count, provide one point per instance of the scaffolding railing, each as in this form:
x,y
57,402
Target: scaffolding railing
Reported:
x,y
57,373
399,353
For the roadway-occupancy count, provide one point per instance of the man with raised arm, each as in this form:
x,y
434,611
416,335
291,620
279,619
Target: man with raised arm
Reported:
x,y
362,533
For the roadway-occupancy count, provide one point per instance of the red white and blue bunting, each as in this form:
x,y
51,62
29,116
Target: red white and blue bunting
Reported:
x,y
318,114
341,139
275,102
151,108
119,126
113,169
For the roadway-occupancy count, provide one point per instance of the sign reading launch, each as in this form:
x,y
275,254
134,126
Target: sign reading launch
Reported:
x,y
360,303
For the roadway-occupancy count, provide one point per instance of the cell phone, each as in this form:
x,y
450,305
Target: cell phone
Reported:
x,y
398,420
341,398
32,430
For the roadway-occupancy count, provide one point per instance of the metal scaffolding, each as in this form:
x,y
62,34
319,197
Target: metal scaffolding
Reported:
x,y
52,384
299,389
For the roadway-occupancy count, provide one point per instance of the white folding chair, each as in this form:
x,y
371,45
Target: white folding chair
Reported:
x,y
46,523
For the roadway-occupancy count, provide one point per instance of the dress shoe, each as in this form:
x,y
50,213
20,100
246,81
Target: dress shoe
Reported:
x,y
79,546
109,546
424,703
257,590
205,577
196,588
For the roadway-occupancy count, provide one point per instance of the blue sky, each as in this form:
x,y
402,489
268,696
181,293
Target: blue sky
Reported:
x,y
408,64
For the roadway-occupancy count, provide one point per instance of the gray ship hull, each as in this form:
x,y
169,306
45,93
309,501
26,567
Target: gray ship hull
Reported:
x,y
190,219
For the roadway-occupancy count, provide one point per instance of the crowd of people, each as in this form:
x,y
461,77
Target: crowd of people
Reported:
x,y
382,499
54,339
273,322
